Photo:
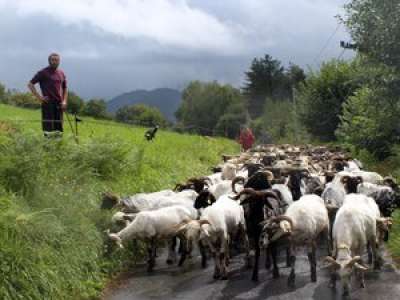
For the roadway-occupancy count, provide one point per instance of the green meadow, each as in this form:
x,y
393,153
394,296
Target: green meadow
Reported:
x,y
51,228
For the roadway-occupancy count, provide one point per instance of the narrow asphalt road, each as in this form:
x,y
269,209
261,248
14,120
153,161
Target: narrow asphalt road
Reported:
x,y
192,282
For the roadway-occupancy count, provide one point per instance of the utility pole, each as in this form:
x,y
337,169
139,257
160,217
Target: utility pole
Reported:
x,y
295,115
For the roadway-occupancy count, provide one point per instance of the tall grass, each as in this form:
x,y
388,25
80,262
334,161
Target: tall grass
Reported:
x,y
51,227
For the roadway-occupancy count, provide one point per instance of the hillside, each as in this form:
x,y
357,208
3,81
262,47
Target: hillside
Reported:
x,y
166,100
52,229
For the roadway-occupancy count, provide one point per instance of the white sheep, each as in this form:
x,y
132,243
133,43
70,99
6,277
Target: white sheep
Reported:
x,y
218,225
302,223
152,226
354,228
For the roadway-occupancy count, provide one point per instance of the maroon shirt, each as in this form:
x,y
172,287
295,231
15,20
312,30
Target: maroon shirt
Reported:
x,y
52,83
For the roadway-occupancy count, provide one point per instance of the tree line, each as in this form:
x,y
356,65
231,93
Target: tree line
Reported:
x,y
354,102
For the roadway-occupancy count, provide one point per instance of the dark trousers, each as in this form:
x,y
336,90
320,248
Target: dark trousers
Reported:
x,y
52,116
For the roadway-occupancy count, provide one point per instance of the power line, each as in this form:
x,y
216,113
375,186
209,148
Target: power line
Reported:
x,y
341,54
326,44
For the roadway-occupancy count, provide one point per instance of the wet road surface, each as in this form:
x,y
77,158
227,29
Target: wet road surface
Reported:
x,y
192,282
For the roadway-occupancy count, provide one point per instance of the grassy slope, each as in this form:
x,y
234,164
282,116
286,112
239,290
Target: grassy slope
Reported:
x,y
50,224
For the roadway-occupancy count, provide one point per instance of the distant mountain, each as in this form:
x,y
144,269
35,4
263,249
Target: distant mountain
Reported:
x,y
166,100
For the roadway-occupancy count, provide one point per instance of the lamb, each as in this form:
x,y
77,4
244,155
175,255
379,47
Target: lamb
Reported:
x,y
301,225
152,226
354,229
218,225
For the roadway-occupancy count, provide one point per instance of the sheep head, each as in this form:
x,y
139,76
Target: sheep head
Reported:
x,y
275,229
236,180
383,226
344,268
115,239
350,183
190,229
109,200
204,199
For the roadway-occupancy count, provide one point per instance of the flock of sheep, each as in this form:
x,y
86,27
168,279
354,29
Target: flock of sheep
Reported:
x,y
270,197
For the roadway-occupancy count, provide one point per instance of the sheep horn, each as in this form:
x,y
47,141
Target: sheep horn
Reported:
x,y
270,175
178,186
246,191
354,260
360,267
236,180
332,262
204,222
278,219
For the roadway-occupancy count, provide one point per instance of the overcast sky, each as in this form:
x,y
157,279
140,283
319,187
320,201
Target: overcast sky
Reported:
x,y
109,47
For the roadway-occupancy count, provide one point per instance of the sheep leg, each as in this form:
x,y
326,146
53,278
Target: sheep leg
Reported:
x,y
151,250
268,258
216,266
376,253
274,254
292,276
313,262
224,258
332,280
369,251
257,258
185,251
288,257
327,234
246,248
203,253
171,251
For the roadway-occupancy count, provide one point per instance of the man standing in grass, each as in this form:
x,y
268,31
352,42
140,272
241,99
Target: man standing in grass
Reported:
x,y
53,85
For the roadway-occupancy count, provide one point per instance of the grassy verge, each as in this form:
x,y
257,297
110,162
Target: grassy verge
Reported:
x,y
51,228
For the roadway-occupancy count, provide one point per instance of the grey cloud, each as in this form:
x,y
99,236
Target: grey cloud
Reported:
x,y
103,64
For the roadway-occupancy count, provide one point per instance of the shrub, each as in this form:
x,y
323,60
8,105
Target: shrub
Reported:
x,y
369,122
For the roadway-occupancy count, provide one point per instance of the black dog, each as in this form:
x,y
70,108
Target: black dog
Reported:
x,y
151,133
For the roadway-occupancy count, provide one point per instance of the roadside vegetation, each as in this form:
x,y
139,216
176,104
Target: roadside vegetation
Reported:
x,y
52,240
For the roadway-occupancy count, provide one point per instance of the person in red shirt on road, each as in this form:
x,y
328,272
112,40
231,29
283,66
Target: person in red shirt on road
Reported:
x,y
246,138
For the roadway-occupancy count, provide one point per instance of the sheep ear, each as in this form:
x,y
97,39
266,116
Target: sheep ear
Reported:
x,y
344,179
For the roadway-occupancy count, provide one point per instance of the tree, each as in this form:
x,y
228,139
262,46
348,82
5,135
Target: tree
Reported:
x,y
375,28
3,93
96,108
75,103
203,104
370,123
321,96
266,78
26,100
141,114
